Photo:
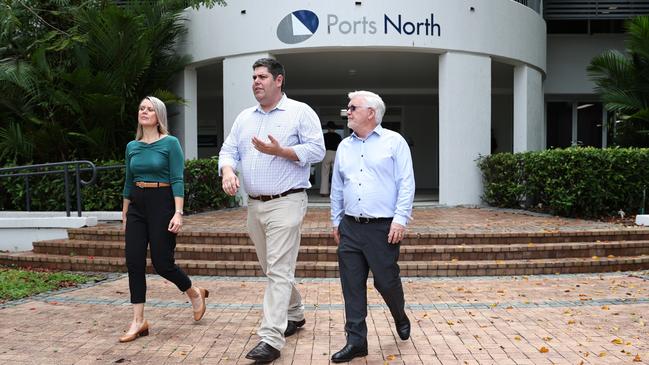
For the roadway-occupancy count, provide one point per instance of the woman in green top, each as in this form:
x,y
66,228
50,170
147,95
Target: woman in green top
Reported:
x,y
152,211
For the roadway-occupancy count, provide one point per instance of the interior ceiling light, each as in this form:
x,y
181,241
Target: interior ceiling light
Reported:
x,y
584,106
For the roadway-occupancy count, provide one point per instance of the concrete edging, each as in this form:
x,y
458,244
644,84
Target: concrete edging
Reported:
x,y
18,230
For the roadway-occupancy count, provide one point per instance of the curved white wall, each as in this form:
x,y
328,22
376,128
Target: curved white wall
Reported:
x,y
468,34
500,28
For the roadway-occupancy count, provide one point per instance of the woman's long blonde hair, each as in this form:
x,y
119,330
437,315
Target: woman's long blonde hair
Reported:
x,y
160,113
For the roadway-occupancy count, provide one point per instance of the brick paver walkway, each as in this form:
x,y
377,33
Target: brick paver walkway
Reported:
x,y
577,319
426,220
561,319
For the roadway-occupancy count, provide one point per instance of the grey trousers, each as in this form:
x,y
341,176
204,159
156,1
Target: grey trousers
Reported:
x,y
364,247
274,227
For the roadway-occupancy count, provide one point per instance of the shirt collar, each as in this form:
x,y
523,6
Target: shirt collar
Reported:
x,y
378,130
279,106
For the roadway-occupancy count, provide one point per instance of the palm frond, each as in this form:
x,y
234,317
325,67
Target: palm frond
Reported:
x,y
14,145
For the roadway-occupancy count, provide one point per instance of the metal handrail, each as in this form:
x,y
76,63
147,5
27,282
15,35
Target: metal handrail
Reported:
x,y
7,172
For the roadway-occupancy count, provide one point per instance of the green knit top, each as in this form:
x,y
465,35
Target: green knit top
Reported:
x,y
160,161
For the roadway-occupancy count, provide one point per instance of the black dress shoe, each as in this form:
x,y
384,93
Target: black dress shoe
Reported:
x,y
263,353
403,328
292,327
349,352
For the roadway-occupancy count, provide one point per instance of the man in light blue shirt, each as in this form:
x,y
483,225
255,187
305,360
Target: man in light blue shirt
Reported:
x,y
373,187
273,144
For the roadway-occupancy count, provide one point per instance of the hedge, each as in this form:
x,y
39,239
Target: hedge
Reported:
x,y
574,182
202,189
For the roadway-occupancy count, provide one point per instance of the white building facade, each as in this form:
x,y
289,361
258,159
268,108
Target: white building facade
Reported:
x,y
461,79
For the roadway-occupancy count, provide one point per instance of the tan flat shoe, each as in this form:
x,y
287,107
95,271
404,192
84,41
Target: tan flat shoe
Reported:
x,y
142,331
203,293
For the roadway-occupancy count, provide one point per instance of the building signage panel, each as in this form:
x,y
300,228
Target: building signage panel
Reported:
x,y
300,25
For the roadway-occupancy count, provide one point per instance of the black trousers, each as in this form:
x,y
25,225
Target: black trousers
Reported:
x,y
364,247
147,221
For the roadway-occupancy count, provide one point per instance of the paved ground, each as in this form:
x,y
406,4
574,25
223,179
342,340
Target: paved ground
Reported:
x,y
436,220
567,319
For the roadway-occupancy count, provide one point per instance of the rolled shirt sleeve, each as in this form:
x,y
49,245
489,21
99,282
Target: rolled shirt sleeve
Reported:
x,y
311,148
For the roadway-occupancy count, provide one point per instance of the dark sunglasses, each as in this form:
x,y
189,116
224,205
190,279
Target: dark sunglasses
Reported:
x,y
352,108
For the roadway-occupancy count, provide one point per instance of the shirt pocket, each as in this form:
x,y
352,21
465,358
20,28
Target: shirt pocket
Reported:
x,y
285,133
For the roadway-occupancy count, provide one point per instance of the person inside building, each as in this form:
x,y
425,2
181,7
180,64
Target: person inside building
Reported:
x,y
273,145
331,140
152,212
372,192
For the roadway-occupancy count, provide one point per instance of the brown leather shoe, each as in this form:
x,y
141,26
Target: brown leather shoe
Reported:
x,y
142,331
203,293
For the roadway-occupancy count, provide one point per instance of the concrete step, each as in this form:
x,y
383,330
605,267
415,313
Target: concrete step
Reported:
x,y
412,238
328,253
330,269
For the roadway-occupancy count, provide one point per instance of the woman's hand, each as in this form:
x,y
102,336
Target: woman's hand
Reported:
x,y
123,220
175,223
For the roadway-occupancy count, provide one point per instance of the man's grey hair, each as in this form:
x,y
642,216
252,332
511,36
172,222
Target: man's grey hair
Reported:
x,y
372,100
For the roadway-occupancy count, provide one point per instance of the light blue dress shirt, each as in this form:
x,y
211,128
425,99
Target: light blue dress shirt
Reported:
x,y
293,124
373,178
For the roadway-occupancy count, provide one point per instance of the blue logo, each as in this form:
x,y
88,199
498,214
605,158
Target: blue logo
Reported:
x,y
297,27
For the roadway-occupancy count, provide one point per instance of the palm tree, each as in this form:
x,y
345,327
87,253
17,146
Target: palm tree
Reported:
x,y
72,73
622,80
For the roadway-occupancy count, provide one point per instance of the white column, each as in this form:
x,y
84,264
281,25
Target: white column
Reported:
x,y
237,95
529,133
464,125
237,87
184,125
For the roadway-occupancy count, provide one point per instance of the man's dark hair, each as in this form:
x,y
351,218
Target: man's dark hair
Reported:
x,y
275,68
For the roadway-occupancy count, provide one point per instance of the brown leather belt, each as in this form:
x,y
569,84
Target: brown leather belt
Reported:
x,y
265,198
144,184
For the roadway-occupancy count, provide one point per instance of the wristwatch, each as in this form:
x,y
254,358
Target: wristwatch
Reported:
x,y
180,212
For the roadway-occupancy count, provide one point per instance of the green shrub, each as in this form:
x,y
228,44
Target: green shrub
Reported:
x,y
573,182
202,189
203,186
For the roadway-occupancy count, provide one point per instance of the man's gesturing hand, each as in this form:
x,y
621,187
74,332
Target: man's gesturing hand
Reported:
x,y
271,148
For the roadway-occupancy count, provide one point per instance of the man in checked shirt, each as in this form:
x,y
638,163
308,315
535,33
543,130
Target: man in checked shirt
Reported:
x,y
273,144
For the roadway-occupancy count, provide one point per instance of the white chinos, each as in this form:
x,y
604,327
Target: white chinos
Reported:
x,y
274,227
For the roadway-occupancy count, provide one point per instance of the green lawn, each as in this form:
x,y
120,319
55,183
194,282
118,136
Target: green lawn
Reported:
x,y
20,283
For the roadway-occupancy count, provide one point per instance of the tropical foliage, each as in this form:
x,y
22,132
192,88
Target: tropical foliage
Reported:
x,y
72,73
573,182
203,190
622,81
